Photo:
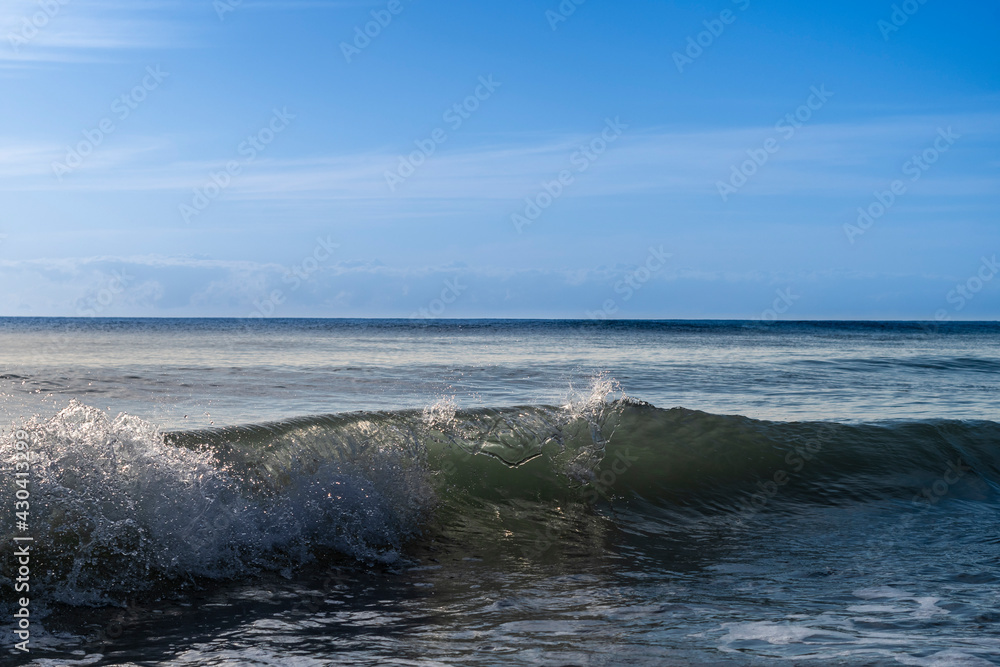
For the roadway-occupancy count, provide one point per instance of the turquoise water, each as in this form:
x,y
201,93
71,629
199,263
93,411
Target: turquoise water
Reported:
x,y
505,492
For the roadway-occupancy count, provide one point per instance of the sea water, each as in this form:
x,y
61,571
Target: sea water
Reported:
x,y
493,492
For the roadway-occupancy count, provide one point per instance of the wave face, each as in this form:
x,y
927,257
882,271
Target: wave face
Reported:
x,y
120,507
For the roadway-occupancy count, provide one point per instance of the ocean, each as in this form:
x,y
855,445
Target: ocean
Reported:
x,y
499,492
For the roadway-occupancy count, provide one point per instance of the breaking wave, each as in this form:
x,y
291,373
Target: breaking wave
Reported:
x,y
119,506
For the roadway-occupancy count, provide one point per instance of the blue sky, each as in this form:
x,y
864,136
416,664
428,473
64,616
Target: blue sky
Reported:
x,y
634,159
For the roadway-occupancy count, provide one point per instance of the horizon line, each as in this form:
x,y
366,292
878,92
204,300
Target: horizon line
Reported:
x,y
498,319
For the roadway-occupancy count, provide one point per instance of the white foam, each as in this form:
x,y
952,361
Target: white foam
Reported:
x,y
441,413
778,633
881,592
120,509
946,658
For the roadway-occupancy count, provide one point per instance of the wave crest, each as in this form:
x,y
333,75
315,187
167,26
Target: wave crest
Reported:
x,y
118,506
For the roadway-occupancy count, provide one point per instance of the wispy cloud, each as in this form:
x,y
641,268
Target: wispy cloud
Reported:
x,y
826,160
75,31
154,285
277,5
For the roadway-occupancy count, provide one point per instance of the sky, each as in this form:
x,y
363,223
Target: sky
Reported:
x,y
500,158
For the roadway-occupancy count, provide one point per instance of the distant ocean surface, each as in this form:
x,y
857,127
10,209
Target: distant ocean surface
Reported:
x,y
503,492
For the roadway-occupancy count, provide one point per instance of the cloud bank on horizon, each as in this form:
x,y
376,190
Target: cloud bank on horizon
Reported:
x,y
544,158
